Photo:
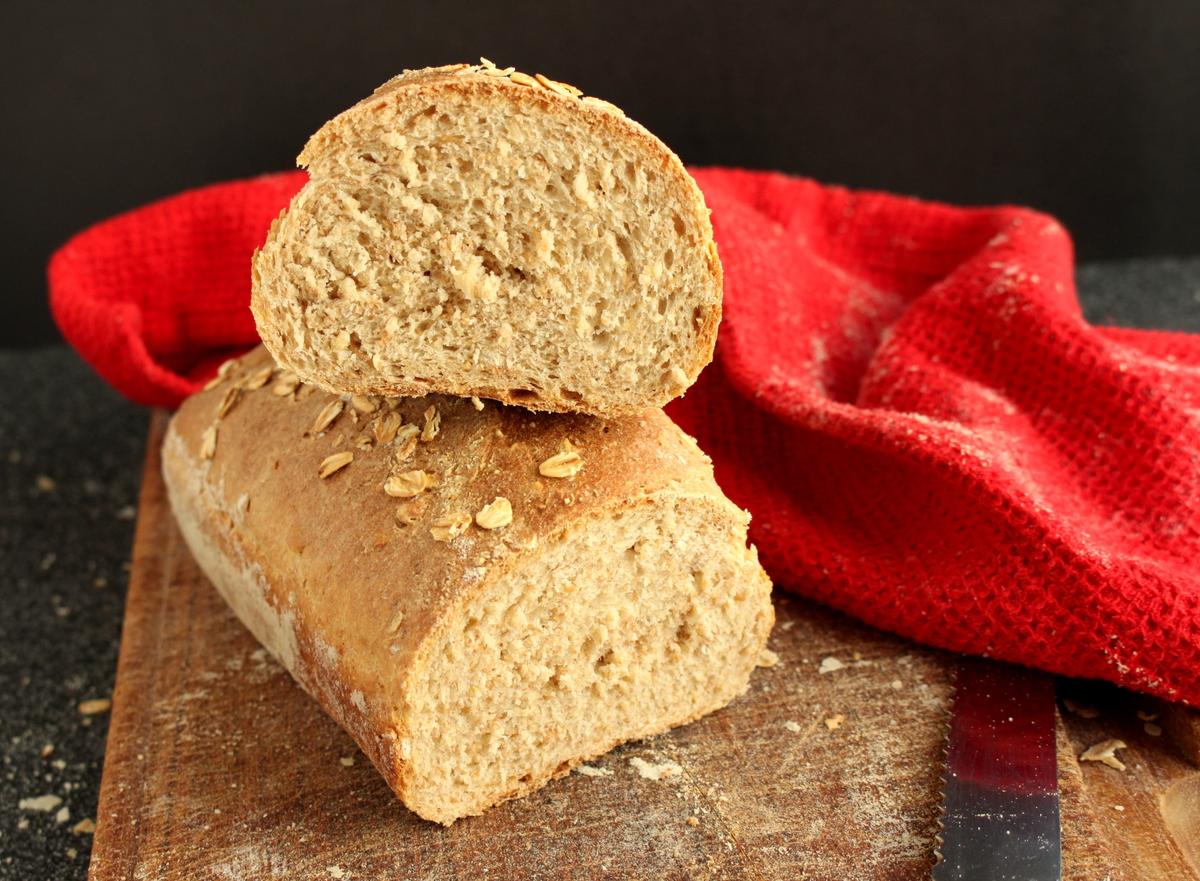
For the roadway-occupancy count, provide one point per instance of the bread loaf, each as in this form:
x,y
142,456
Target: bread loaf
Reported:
x,y
481,596
475,231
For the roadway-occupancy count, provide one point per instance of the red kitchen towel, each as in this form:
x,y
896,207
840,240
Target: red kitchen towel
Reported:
x,y
905,396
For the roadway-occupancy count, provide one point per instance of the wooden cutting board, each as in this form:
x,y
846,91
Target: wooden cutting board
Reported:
x,y
218,767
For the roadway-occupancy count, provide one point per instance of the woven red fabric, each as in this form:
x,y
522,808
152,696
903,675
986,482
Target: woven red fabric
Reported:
x,y
905,396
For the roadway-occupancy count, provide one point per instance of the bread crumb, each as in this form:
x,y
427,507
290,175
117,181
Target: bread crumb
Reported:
x,y
897,684
834,722
45,483
1146,717
1152,729
1105,751
693,821
64,814
1118,807
86,826
346,761
593,771
95,706
43,803
72,853
335,871
829,665
655,772
476,403
47,750
1080,710
767,658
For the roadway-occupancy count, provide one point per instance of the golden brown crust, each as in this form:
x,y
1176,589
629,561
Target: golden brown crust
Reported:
x,y
411,89
321,569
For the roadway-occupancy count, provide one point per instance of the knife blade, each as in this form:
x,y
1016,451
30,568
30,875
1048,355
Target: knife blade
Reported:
x,y
1000,819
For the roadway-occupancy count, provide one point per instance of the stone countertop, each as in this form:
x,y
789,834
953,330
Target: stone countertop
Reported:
x,y
71,456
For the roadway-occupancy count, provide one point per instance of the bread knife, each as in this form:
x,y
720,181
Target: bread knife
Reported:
x,y
1000,808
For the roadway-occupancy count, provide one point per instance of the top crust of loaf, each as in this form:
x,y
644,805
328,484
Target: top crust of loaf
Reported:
x,y
325,347
243,462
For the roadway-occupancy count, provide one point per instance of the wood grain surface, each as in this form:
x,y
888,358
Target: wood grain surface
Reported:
x,y
218,767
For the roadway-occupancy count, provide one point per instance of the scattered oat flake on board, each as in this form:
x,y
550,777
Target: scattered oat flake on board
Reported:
x,y
792,726
767,658
593,771
655,772
43,803
64,814
94,706
835,721
829,665
1105,751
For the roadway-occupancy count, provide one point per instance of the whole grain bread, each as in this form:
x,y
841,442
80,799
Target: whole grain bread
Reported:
x,y
470,230
482,596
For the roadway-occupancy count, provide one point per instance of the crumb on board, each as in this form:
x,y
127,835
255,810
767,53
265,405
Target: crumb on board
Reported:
x,y
346,761
834,722
792,726
1105,752
593,771
1147,716
86,826
829,665
767,658
650,771
1081,710
693,821
1153,729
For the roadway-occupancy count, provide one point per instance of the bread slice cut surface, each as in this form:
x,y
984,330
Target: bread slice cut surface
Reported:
x,y
475,233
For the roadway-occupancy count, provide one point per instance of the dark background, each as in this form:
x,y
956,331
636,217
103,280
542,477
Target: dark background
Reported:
x,y
1089,110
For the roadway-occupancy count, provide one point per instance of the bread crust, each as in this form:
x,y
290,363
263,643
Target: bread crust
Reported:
x,y
415,88
349,601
